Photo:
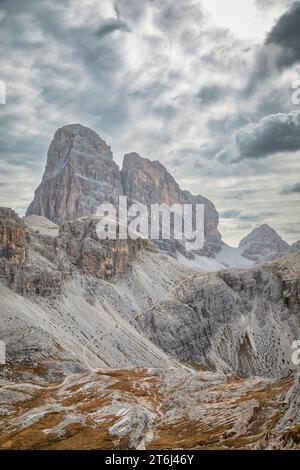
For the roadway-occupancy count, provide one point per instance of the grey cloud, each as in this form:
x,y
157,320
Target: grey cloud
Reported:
x,y
111,25
295,189
132,10
211,93
292,228
228,123
173,14
244,226
272,134
230,214
246,217
239,193
266,4
286,35
256,217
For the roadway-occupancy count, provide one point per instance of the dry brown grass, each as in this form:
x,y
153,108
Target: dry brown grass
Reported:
x,y
215,430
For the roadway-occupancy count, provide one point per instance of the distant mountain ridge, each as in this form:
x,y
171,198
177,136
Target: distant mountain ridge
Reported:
x,y
81,174
265,244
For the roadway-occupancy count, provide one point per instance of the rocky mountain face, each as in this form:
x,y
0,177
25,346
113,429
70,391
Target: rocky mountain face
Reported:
x,y
103,259
237,321
37,257
243,321
263,244
13,243
80,174
167,343
149,182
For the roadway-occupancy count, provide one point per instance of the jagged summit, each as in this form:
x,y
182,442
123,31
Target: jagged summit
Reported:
x,y
79,129
262,244
80,174
149,181
78,136
135,158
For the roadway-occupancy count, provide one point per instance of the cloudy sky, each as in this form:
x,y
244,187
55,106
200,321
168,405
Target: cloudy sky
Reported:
x,y
204,86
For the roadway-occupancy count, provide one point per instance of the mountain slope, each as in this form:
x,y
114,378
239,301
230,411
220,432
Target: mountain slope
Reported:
x,y
147,409
143,308
141,351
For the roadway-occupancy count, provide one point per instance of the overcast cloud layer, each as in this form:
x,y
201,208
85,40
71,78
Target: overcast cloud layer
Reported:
x,y
211,100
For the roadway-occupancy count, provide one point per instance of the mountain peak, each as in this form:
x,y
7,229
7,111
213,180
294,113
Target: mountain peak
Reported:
x,y
262,244
78,134
80,174
135,159
266,228
260,232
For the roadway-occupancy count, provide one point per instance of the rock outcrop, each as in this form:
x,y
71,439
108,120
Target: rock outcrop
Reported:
x,y
149,182
13,243
104,259
263,244
147,409
237,321
79,175
37,257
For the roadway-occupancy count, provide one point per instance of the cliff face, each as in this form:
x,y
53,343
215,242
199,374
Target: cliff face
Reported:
x,y
234,321
32,261
239,321
150,183
80,174
103,259
13,243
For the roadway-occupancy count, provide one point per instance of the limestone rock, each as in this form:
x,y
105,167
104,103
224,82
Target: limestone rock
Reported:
x,y
13,242
34,261
149,182
149,409
79,175
104,259
239,321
